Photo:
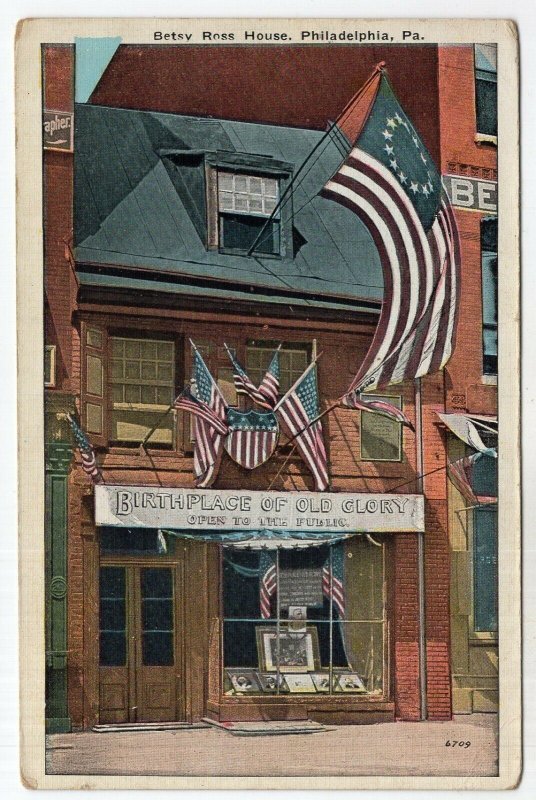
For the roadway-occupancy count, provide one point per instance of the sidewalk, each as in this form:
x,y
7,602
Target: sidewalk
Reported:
x,y
399,748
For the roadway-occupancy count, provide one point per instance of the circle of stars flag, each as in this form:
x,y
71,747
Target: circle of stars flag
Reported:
x,y
389,180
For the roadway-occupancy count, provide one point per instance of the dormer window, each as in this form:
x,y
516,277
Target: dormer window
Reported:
x,y
245,205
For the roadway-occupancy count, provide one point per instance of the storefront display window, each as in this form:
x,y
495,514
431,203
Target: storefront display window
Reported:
x,y
308,620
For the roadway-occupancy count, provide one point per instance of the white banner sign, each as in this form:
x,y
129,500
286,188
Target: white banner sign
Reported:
x,y
227,510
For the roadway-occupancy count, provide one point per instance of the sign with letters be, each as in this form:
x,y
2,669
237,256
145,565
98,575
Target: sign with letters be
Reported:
x,y
58,130
471,193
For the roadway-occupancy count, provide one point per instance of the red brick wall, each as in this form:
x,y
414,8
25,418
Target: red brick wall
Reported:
x,y
461,154
60,282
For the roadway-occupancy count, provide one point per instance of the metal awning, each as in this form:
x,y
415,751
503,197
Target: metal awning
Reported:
x,y
466,427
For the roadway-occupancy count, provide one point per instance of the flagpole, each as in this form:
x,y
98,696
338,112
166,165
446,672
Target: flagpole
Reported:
x,y
421,555
157,424
290,188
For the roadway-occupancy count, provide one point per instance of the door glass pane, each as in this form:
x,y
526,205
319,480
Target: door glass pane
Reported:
x,y
113,647
157,616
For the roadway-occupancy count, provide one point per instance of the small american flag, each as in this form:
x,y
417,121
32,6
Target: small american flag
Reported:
x,y
461,474
299,410
362,403
208,444
266,393
87,453
268,582
333,578
186,401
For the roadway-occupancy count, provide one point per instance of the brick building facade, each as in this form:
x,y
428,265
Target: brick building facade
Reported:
x,y
114,292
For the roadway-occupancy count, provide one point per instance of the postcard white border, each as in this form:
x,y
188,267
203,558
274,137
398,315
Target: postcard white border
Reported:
x,y
31,499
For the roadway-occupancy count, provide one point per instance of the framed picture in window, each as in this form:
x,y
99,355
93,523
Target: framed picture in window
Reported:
x,y
243,680
290,650
348,682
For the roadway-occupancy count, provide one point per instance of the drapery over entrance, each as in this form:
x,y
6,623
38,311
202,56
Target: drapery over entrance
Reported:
x,y
263,539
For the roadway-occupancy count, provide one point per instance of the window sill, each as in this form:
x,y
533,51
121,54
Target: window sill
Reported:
x,y
489,380
486,138
228,251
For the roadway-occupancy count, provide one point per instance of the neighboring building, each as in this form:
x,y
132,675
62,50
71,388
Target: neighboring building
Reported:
x,y
468,110
150,251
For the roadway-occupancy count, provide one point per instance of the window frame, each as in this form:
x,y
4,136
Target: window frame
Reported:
x,y
270,346
481,636
276,620
251,166
480,76
50,379
152,336
485,276
388,398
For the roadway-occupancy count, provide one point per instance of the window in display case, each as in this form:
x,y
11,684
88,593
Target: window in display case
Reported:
x,y
305,620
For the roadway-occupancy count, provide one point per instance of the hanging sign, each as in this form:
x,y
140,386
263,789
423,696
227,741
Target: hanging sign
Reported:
x,y
472,193
229,509
58,130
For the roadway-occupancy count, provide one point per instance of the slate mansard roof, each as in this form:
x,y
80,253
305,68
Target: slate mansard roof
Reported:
x,y
140,214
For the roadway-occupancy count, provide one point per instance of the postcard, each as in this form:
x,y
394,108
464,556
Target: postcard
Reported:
x,y
268,303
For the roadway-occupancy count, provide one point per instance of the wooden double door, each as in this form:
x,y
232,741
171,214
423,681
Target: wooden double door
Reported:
x,y
140,642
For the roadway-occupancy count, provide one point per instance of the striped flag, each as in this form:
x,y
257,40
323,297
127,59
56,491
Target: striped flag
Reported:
x,y
252,436
461,474
299,410
333,578
186,401
87,453
363,403
208,443
266,393
268,582
390,182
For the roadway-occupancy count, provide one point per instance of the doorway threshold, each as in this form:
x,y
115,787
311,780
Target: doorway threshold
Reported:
x,y
147,726
270,727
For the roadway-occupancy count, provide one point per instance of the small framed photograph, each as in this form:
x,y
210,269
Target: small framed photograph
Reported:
x,y
321,681
293,651
348,682
243,680
300,683
270,682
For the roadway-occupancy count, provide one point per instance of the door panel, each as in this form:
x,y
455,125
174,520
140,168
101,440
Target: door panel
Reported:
x,y
156,669
114,673
140,634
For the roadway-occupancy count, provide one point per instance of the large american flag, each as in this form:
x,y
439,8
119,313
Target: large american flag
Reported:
x,y
266,393
87,453
208,444
333,578
299,409
390,182
267,581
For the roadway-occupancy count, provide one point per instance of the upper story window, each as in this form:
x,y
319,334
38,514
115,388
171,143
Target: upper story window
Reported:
x,y
142,386
486,88
245,203
488,247
293,361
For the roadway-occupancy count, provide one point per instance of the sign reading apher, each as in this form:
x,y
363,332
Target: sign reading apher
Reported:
x,y
58,130
471,193
225,510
